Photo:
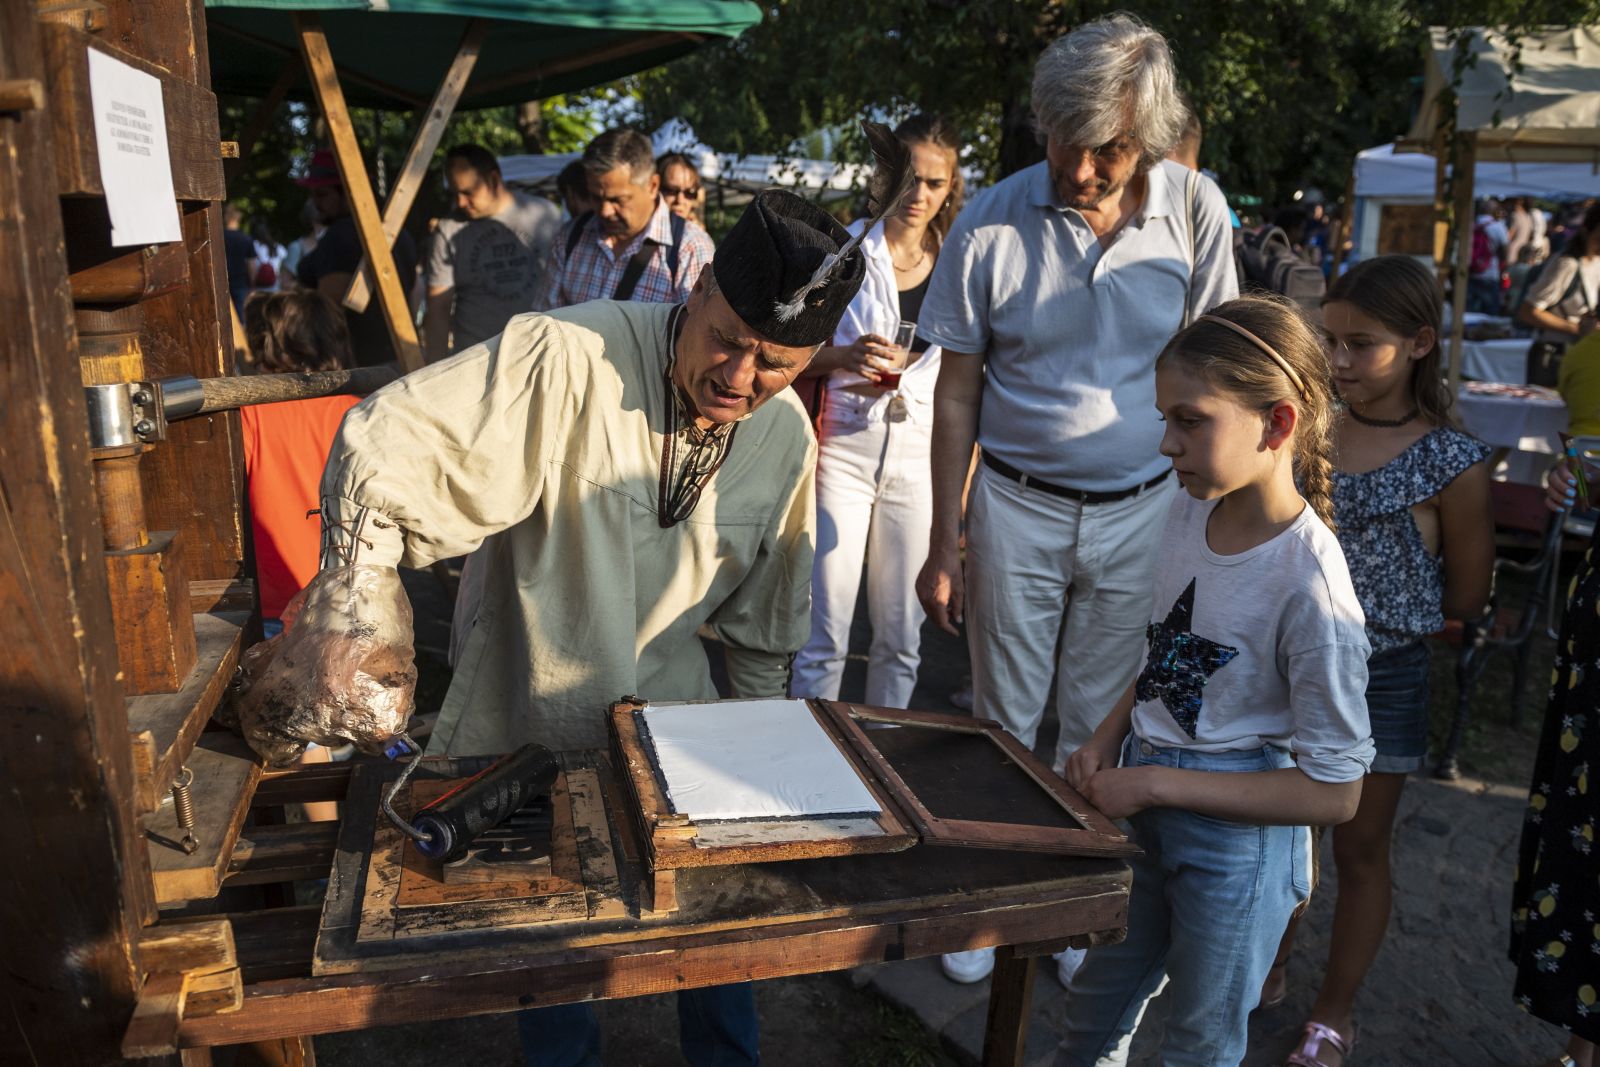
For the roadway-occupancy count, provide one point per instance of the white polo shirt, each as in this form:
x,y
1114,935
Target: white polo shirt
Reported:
x,y
1069,329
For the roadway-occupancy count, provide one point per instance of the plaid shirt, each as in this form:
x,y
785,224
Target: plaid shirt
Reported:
x,y
594,269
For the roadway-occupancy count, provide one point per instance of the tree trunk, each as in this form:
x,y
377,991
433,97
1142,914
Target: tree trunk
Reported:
x,y
530,123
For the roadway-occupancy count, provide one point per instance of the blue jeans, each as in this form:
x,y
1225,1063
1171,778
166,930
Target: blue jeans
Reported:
x,y
1209,903
716,1028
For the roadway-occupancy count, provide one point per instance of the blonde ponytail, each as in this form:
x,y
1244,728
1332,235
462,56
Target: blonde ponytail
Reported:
x,y
1263,352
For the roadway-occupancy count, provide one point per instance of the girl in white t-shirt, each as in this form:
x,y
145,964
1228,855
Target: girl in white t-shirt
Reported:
x,y
1247,722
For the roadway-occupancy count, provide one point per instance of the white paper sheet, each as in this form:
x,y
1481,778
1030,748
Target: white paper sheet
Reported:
x,y
752,759
130,130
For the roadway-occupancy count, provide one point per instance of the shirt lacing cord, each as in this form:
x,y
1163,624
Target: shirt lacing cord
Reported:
x,y
345,551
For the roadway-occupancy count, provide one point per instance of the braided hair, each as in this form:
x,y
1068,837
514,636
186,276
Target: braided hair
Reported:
x,y
1233,361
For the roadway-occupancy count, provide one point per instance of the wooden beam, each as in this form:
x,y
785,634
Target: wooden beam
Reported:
x,y
1441,209
1465,171
76,890
358,188
1010,1008
153,1031
190,111
415,168
21,94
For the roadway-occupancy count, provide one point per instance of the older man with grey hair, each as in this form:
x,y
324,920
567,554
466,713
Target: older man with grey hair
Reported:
x,y
631,247
1055,292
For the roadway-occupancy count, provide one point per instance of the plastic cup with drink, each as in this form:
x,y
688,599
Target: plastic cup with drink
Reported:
x,y
905,334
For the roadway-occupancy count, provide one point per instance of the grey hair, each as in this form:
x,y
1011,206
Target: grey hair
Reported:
x,y
1107,78
621,147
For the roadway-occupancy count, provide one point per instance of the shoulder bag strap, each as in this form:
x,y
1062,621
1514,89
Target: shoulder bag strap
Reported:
x,y
678,227
575,234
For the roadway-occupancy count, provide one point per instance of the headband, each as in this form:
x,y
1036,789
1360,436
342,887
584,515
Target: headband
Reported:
x,y
1294,378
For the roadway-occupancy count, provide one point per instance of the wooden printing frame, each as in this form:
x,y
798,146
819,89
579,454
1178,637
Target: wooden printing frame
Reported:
x,y
673,840
1097,836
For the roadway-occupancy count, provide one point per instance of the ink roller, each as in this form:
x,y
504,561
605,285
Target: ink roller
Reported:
x,y
446,828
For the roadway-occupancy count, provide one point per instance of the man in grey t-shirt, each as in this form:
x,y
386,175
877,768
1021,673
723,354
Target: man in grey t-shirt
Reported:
x,y
485,260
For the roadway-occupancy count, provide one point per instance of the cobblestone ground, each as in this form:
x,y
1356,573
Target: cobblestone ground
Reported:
x,y
1439,993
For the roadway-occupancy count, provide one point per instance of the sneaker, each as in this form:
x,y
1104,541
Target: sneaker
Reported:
x,y
962,698
968,967
1067,963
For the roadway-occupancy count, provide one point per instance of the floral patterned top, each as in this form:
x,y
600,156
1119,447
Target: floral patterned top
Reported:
x,y
1399,582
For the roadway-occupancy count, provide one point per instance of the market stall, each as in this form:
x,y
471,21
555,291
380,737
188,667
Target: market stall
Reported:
x,y
1488,98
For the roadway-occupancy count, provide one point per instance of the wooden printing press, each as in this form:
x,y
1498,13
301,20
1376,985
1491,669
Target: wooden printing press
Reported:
x,y
161,901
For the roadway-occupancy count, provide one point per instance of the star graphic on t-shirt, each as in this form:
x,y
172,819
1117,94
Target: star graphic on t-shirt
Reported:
x,y
1179,662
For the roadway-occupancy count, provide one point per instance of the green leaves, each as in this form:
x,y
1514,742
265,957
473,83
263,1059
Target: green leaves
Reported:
x,y
1287,93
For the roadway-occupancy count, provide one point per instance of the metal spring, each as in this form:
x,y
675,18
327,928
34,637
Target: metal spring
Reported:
x,y
183,808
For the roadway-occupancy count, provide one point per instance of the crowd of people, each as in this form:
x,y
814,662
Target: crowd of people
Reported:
x,y
1220,527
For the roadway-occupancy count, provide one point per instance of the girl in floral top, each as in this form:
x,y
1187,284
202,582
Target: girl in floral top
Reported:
x,y
1411,496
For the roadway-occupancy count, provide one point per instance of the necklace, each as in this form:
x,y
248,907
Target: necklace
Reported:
x,y
914,266
1383,424
676,498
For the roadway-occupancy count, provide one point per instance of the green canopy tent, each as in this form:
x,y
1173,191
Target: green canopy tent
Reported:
x,y
434,56
392,53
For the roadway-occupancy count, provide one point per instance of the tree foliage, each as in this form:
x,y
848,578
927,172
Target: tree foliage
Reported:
x,y
1287,93
263,185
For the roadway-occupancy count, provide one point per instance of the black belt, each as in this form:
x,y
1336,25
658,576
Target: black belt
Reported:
x,y
1082,496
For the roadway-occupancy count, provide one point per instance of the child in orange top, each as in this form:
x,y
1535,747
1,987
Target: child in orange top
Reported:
x,y
286,445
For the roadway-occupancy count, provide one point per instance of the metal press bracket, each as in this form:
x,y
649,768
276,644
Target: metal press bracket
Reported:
x,y
124,413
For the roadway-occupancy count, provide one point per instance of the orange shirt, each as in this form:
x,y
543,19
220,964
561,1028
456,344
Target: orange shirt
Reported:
x,y
285,448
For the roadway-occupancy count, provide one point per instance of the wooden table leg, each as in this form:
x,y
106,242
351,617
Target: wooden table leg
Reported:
x,y
279,1052
1010,1006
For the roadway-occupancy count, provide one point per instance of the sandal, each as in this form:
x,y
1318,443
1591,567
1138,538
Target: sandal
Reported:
x,y
1279,967
1310,1047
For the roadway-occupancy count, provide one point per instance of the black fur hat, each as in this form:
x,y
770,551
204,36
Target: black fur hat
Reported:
x,y
771,253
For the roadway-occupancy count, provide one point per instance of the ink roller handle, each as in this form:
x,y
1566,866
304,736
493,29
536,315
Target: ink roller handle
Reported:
x,y
484,801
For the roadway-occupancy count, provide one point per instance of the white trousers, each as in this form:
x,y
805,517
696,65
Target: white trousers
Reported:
x,y
1044,572
874,505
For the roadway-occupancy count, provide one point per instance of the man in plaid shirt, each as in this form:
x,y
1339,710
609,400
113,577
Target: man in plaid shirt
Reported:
x,y
631,247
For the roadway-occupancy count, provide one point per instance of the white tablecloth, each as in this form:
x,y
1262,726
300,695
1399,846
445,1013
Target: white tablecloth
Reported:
x,y
1494,361
1527,420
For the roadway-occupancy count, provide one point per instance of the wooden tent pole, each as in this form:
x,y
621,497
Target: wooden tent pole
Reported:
x,y
429,134
1465,168
1441,209
358,188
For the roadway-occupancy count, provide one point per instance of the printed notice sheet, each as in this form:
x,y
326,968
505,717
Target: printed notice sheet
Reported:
x,y
130,128
752,759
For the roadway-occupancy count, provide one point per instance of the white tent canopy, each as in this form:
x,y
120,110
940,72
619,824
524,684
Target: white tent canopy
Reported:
x,y
1384,174
1548,110
748,173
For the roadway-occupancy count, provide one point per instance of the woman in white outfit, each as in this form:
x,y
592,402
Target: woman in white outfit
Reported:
x,y
874,489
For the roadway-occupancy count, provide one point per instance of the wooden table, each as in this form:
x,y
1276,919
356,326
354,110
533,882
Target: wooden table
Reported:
x,y
733,924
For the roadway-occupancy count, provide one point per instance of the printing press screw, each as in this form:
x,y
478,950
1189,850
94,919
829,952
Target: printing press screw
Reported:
x,y
183,807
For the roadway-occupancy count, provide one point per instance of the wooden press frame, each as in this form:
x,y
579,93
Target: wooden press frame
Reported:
x,y
673,840
1099,836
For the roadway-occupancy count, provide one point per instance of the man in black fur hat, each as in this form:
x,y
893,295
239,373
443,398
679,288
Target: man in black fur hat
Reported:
x,y
636,471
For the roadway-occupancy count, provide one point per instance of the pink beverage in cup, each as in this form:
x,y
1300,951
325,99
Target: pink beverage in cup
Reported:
x,y
904,335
